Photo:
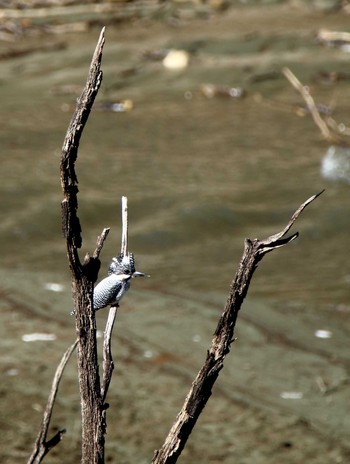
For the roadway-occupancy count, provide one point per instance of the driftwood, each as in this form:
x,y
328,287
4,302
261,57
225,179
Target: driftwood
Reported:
x,y
200,392
328,127
333,38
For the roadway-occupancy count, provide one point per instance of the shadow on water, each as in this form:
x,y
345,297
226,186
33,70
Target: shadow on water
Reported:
x,y
202,172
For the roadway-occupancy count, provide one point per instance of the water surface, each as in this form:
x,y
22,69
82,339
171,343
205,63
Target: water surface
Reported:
x,y
200,175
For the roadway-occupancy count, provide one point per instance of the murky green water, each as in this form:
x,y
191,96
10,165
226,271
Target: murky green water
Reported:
x,y
200,175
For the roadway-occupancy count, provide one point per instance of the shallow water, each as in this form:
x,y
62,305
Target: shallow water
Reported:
x,y
200,175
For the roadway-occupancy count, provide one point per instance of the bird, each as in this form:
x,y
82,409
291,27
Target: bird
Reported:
x,y
113,287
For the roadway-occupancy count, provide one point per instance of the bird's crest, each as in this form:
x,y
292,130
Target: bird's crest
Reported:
x,y
122,264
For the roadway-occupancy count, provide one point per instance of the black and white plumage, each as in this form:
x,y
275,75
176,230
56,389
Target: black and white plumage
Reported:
x,y
122,264
111,289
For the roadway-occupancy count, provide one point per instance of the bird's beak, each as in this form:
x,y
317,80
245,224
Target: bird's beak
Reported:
x,y
139,274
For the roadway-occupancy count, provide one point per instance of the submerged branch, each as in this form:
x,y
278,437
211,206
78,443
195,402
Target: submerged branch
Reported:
x,y
329,134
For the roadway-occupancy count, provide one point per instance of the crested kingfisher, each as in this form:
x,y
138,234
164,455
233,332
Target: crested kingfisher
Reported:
x,y
112,288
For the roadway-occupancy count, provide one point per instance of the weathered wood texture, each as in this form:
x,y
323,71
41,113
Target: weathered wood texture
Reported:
x,y
200,392
84,274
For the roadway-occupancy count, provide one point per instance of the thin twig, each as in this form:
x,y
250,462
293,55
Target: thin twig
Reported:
x,y
311,105
201,389
42,447
100,242
124,241
305,93
108,364
278,238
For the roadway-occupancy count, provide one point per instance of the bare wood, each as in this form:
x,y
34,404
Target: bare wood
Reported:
x,y
311,105
201,389
304,92
124,241
42,447
100,242
108,364
84,275
331,37
69,181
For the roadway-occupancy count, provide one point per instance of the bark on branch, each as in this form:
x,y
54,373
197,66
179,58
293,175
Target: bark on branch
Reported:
x,y
84,274
200,392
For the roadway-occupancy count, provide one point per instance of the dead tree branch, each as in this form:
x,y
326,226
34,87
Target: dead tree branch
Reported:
x,y
42,447
108,364
125,227
329,134
84,274
200,392
100,241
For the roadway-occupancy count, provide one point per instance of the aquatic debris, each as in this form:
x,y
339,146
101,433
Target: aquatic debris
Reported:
x,y
35,337
173,59
321,108
291,395
330,77
334,39
264,76
120,106
155,55
328,128
53,287
323,333
213,90
336,164
176,60
148,354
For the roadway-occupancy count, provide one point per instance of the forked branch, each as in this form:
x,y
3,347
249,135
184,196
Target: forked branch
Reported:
x,y
84,274
83,277
42,447
201,388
